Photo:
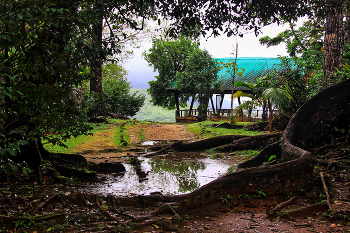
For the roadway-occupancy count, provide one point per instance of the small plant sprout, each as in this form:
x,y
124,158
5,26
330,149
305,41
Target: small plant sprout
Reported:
x,y
244,195
226,198
261,194
272,157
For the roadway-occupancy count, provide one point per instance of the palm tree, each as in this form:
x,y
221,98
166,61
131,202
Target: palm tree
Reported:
x,y
266,92
257,89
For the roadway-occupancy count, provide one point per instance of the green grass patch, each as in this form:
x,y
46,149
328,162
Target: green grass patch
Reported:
x,y
246,153
121,136
214,153
205,130
75,142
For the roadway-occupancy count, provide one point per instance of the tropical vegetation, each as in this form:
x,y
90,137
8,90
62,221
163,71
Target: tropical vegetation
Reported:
x,y
50,49
168,58
200,79
117,94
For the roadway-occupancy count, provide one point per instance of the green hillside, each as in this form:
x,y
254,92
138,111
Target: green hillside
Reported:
x,y
153,113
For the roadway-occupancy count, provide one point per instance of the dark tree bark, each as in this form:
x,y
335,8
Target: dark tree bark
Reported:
x,y
264,111
347,28
96,70
317,121
203,106
333,42
251,143
96,67
263,156
177,104
191,106
221,143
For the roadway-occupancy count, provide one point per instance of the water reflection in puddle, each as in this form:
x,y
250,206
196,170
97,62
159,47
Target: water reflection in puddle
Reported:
x,y
169,174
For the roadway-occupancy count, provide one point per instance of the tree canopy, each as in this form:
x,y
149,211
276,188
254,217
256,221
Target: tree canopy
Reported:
x,y
48,45
199,77
168,57
44,52
117,92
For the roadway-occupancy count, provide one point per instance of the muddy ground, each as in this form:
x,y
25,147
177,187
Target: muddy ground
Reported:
x,y
85,213
249,216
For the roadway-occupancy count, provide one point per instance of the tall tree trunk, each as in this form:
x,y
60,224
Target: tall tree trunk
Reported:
x,y
192,102
203,106
96,67
333,42
177,104
347,28
264,111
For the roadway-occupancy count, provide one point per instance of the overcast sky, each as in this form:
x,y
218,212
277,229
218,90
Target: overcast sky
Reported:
x,y
248,46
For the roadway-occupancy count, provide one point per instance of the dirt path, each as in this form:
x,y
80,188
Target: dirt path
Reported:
x,y
168,132
102,147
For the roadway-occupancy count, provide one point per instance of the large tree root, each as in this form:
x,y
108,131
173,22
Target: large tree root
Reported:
x,y
37,218
149,154
307,210
326,191
45,202
222,143
251,143
263,156
199,145
282,205
76,172
314,123
289,176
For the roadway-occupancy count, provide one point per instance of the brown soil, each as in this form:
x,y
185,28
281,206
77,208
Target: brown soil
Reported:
x,y
249,216
168,132
101,148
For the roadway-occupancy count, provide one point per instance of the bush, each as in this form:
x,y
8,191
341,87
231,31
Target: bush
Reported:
x,y
116,92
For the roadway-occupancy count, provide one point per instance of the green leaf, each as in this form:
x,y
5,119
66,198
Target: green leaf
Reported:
x,y
12,151
19,16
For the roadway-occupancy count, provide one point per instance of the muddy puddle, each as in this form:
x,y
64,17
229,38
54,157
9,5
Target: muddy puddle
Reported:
x,y
175,173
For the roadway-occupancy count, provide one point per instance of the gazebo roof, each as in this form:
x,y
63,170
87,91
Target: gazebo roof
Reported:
x,y
255,67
